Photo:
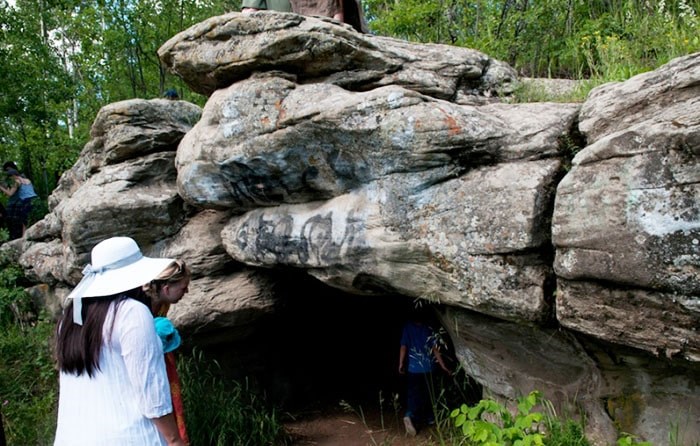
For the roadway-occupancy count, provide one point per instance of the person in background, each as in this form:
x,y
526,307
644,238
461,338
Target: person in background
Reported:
x,y
21,193
171,94
166,289
113,386
3,216
418,354
346,11
326,8
248,6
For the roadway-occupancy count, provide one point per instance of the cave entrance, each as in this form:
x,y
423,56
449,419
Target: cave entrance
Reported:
x,y
326,348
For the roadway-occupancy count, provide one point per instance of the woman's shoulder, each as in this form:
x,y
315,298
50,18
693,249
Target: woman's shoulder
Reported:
x,y
134,311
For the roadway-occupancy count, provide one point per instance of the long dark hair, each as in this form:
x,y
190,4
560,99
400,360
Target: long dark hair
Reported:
x,y
78,346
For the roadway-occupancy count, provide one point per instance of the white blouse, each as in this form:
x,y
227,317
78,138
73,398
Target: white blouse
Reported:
x,y
114,407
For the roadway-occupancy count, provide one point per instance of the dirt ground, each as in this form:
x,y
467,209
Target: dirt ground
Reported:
x,y
336,427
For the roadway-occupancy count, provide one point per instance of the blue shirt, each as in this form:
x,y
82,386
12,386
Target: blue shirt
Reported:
x,y
23,192
419,341
26,191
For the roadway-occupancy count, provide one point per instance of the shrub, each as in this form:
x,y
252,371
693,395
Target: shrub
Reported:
x,y
506,429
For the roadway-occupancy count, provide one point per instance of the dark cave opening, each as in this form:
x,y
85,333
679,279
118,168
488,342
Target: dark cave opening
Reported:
x,y
325,347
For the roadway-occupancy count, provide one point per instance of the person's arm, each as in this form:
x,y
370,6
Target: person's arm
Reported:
x,y
167,426
440,360
402,359
10,191
339,12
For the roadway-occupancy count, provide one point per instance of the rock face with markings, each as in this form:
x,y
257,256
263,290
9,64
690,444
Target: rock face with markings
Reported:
x,y
381,167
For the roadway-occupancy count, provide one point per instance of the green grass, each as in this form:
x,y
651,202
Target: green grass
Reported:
x,y
536,91
28,380
28,384
223,412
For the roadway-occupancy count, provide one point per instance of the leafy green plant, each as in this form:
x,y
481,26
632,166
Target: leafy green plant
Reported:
x,y
28,384
630,440
15,304
222,412
506,429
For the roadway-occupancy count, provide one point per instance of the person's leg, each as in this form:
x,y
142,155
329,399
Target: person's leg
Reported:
x,y
429,389
23,210
414,393
14,223
414,382
423,403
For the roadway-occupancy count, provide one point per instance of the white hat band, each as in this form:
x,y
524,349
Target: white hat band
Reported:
x,y
89,276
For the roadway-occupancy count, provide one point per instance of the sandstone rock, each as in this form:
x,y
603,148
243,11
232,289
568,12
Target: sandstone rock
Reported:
x,y
263,142
44,262
124,184
223,50
198,242
124,130
224,308
49,298
652,398
665,94
438,243
268,141
627,216
661,323
136,197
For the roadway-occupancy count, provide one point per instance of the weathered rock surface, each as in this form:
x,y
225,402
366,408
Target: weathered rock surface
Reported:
x,y
225,307
225,49
382,240
385,168
633,269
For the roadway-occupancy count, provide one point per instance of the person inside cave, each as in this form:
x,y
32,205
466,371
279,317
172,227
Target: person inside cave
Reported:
x,y
419,354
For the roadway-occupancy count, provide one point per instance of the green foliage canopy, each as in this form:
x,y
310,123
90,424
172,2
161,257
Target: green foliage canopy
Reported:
x,y
64,60
609,39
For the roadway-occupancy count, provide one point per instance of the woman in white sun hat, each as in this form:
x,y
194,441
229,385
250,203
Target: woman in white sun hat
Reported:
x,y
113,384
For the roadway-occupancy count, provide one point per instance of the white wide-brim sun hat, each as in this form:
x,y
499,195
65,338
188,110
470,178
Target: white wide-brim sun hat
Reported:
x,y
117,266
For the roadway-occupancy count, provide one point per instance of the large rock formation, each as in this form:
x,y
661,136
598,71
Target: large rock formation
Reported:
x,y
383,168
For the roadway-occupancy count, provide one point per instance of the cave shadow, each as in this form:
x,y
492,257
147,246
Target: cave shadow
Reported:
x,y
326,349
